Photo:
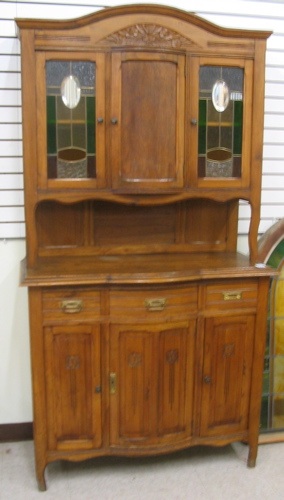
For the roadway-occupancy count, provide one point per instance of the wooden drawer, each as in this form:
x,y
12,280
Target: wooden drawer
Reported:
x,y
148,304
236,294
71,304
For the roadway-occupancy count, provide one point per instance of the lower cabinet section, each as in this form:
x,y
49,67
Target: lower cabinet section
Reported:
x,y
110,380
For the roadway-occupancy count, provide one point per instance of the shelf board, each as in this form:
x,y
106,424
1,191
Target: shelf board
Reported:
x,y
140,269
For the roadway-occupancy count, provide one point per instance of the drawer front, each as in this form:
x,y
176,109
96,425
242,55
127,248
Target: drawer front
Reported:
x,y
71,304
148,304
231,295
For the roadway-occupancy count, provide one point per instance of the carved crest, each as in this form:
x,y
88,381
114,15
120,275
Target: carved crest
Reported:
x,y
148,35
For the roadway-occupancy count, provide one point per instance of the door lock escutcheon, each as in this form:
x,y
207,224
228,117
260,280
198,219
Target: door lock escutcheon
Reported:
x,y
112,383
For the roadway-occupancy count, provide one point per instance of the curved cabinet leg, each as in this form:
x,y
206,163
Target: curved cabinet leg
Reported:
x,y
252,456
41,478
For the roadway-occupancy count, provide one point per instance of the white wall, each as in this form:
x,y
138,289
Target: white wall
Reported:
x,y
15,387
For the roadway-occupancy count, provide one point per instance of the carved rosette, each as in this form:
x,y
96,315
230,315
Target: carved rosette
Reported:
x,y
72,362
148,35
228,350
134,359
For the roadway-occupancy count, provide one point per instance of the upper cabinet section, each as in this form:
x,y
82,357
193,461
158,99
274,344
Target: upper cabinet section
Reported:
x,y
140,99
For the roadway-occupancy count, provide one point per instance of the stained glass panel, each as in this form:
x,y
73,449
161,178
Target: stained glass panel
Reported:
x,y
71,130
220,132
272,413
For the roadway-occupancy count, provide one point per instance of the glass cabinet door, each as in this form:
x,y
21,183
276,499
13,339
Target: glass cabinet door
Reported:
x,y
223,119
74,123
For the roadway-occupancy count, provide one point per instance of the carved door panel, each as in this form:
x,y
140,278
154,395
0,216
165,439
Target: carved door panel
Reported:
x,y
73,383
228,351
153,367
175,381
147,121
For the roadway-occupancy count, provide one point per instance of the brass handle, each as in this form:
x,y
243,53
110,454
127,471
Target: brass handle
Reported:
x,y
114,121
100,119
112,383
233,295
155,304
72,306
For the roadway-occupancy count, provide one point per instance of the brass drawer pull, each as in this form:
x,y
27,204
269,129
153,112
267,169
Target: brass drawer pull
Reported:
x,y
234,295
72,306
155,304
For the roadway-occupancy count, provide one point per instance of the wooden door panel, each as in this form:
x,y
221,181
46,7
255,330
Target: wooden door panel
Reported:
x,y
73,386
175,389
226,374
134,400
148,142
153,365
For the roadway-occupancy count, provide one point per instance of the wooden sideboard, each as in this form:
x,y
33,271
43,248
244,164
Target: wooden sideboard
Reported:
x,y
142,130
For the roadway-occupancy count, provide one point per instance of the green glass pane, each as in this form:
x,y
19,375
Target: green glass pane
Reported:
x,y
277,255
202,126
278,412
91,133
264,415
79,135
273,399
279,336
238,127
51,125
63,136
79,112
213,136
226,138
265,387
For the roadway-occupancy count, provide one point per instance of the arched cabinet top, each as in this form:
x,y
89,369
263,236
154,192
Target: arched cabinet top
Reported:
x,y
141,26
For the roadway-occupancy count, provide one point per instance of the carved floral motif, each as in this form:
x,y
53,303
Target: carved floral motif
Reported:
x,y
134,359
228,350
72,362
148,35
172,356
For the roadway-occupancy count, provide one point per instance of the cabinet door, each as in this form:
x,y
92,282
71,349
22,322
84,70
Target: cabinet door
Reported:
x,y
153,367
147,121
220,110
73,381
228,350
71,120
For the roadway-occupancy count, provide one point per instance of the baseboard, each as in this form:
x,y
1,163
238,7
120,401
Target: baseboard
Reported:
x,y
16,432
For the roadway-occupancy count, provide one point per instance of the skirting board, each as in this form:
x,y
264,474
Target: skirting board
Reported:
x,y
16,432
24,432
